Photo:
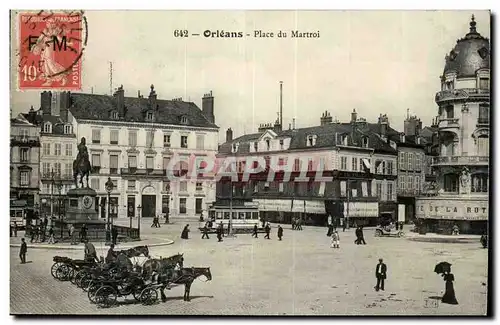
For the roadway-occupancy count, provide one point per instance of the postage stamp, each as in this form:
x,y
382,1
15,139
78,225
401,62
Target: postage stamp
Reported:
x,y
50,51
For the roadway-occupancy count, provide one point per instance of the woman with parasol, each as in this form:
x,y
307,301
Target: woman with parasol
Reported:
x,y
444,268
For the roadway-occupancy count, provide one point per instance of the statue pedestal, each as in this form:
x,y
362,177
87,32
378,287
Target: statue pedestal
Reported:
x,y
81,206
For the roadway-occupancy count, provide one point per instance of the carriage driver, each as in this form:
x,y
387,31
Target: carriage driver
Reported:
x,y
90,252
111,257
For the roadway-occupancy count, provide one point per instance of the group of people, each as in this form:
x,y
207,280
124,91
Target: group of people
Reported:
x,y
297,224
156,221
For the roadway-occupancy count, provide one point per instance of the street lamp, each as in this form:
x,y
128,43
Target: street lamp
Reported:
x,y
109,187
139,220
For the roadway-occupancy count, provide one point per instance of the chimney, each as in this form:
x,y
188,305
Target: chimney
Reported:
x,y
207,107
412,126
402,138
32,116
293,123
354,116
383,125
152,98
289,126
65,102
45,102
229,135
120,101
326,118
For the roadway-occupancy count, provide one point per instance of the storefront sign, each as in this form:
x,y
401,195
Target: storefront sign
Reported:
x,y
273,205
452,209
251,204
361,209
317,207
298,206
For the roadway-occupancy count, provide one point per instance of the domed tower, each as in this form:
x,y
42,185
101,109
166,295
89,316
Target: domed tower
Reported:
x,y
463,133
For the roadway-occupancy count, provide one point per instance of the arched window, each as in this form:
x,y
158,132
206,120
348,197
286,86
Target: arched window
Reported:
x,y
483,146
47,128
479,183
450,183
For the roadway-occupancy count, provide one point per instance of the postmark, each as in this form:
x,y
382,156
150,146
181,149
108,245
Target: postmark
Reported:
x,y
50,49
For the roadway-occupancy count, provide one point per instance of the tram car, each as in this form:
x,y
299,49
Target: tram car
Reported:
x,y
243,217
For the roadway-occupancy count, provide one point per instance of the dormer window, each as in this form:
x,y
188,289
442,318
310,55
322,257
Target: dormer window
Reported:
x,y
402,138
67,129
343,139
47,128
114,115
311,140
235,147
365,142
149,116
256,146
268,144
184,120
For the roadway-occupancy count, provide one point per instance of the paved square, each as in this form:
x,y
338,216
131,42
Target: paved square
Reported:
x,y
300,275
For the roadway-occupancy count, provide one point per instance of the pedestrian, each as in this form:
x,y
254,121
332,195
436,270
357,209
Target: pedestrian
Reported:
x,y
15,228
111,256
201,217
299,224
381,274
254,234
293,224
397,225
185,232
37,234
114,235
219,233
154,222
51,235
166,217
330,230
357,232
72,233
158,221
221,225
449,293
335,239
23,251
205,231
344,225
11,230
268,231
401,225
32,234
83,233
280,232
361,236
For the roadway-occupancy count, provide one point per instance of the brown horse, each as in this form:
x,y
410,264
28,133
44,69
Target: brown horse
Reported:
x,y
159,266
184,276
136,251
82,169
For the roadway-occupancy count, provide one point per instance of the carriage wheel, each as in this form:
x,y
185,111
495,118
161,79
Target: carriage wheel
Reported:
x,y
79,276
72,278
137,293
92,292
401,234
149,296
54,268
62,272
378,233
105,296
86,281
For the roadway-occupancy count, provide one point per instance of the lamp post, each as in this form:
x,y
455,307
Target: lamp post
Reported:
x,y
139,220
52,183
59,189
109,187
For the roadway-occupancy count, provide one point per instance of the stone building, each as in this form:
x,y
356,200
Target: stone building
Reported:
x,y
360,165
462,166
132,141
24,166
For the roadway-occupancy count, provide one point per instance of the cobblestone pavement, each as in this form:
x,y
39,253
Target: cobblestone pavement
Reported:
x,y
300,275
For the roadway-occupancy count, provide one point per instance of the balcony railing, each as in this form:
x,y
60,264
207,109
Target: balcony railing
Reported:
x,y
25,140
461,160
462,93
409,192
448,123
142,171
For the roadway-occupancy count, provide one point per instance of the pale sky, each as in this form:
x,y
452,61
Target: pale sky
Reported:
x,y
374,61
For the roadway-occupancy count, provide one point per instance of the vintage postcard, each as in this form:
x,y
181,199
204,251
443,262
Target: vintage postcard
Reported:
x,y
250,163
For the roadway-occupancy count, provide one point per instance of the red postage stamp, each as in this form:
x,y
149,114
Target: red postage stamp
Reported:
x,y
51,46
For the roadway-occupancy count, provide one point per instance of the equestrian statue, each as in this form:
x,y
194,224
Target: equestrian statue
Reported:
x,y
81,165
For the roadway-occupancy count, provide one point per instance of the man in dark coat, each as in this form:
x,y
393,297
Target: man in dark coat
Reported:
x,y
358,236
90,253
205,231
83,233
254,233
280,232
185,232
111,256
221,225
219,232
15,229
361,236
268,231
380,274
23,251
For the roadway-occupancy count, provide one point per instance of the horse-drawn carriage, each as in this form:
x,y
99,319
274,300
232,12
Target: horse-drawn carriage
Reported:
x,y
105,282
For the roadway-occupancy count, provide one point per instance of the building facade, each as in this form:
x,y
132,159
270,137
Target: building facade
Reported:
x,y
134,140
57,153
462,167
24,166
358,170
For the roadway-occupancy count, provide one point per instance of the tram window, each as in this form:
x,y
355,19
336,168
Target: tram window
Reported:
x,y
12,213
241,215
19,214
219,215
248,215
226,215
255,215
235,215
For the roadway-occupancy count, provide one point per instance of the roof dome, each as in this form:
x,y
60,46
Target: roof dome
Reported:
x,y
469,55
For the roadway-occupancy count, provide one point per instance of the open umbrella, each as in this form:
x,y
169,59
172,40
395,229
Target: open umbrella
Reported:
x,y
442,267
